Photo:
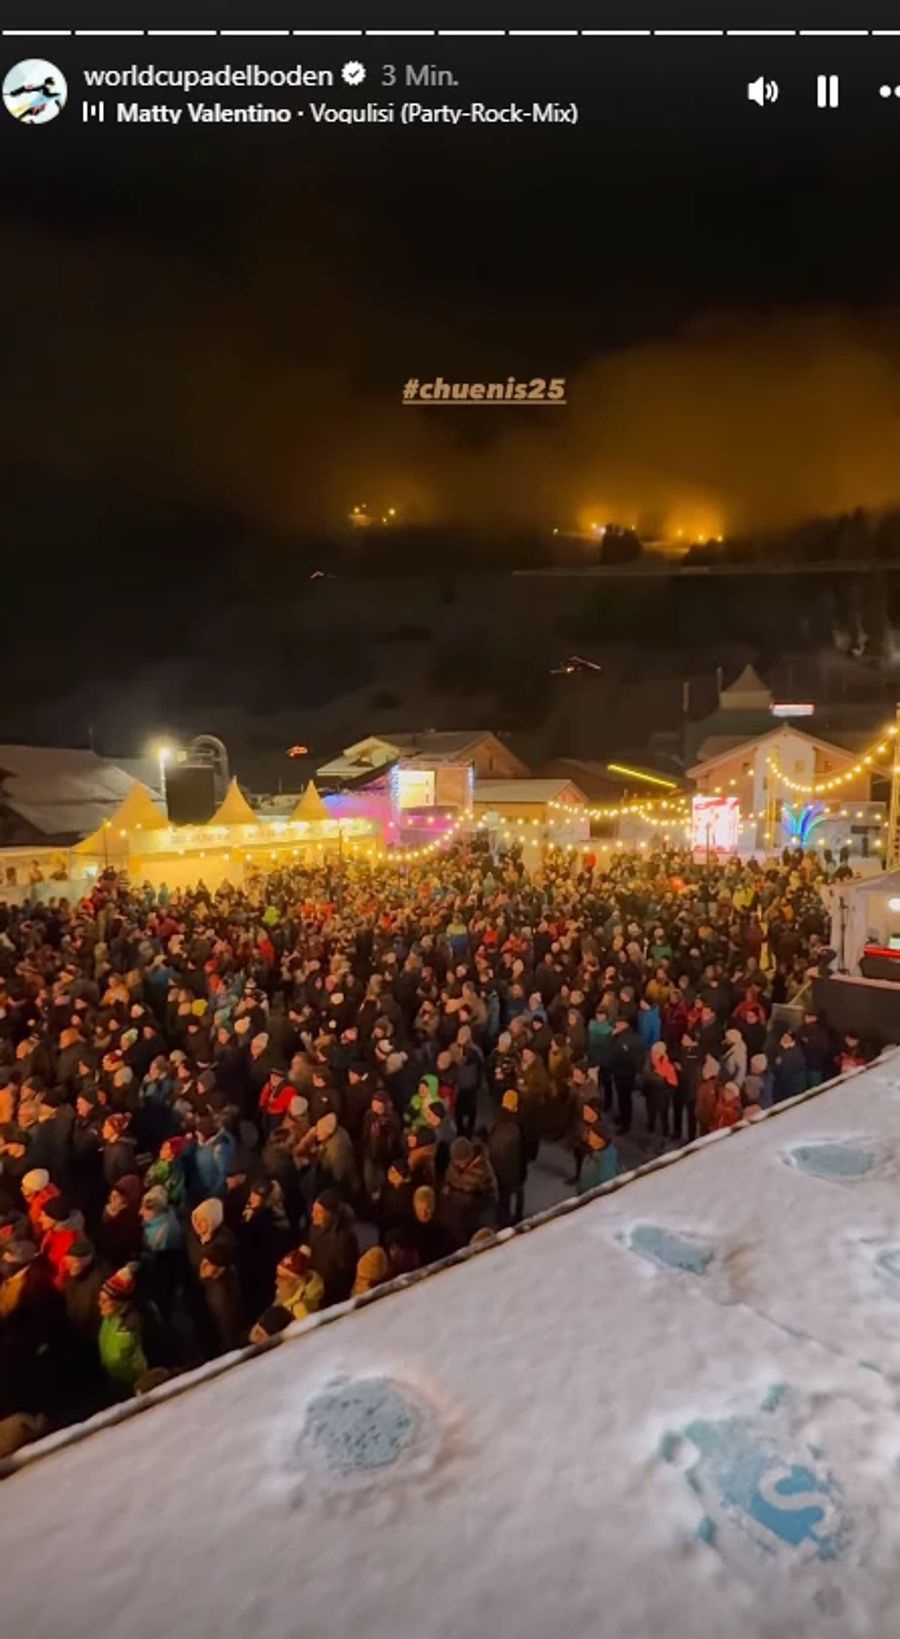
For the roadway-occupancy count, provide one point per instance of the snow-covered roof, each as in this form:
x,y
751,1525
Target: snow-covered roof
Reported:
x,y
59,790
530,791
670,1410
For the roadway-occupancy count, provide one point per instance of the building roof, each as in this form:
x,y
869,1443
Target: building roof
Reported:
x,y
747,691
533,791
60,791
524,1479
450,745
378,751
776,733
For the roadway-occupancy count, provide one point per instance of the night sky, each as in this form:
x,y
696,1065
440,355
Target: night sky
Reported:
x,y
211,326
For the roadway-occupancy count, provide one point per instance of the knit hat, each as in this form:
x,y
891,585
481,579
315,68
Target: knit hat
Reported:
x,y
129,1187
118,1121
16,1255
120,1286
461,1150
56,1209
81,1248
274,1319
296,1262
759,1064
329,1200
35,1180
373,1265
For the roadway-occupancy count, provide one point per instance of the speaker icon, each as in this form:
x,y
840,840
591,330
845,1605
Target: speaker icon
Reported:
x,y
762,91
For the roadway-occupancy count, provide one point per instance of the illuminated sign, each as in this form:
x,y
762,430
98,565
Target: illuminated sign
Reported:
x,y
715,824
415,787
793,709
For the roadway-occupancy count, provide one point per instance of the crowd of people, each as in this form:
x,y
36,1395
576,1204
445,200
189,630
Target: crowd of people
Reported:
x,y
223,1112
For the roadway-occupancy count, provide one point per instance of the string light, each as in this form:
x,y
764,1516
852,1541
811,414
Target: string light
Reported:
x,y
815,787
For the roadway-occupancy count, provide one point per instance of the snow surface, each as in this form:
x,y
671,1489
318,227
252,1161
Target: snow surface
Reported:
x,y
673,1411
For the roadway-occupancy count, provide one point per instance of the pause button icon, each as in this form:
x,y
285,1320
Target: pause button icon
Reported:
x,y
827,94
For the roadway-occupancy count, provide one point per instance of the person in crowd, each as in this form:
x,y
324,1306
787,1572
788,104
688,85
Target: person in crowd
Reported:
x,y
299,1288
507,1154
334,1250
601,1163
119,1334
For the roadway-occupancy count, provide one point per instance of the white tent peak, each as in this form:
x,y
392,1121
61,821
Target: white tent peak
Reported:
x,y
234,809
310,806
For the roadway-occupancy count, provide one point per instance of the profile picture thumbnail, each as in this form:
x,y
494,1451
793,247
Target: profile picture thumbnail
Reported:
x,y
35,91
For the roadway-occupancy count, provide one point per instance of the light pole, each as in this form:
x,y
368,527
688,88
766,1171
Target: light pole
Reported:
x,y
164,754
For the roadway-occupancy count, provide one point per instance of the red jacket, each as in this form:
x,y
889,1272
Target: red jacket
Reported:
x,y
276,1100
36,1206
55,1248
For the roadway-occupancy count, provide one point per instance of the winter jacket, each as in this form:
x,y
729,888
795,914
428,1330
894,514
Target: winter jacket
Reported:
x,y
599,1042
209,1164
600,1167
789,1073
336,1163
305,1297
506,1152
334,1256
121,1354
469,1197
649,1027
163,1233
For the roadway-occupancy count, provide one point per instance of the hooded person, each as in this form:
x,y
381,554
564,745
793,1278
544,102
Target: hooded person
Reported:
x,y
334,1252
427,1092
119,1236
469,1196
119,1336
508,1156
299,1287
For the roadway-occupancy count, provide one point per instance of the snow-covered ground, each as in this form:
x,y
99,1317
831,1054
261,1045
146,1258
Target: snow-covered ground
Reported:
x,y
674,1411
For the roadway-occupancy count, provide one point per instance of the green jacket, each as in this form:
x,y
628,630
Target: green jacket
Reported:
x,y
121,1354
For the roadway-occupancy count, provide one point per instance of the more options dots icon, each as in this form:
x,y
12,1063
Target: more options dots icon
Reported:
x,y
886,91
